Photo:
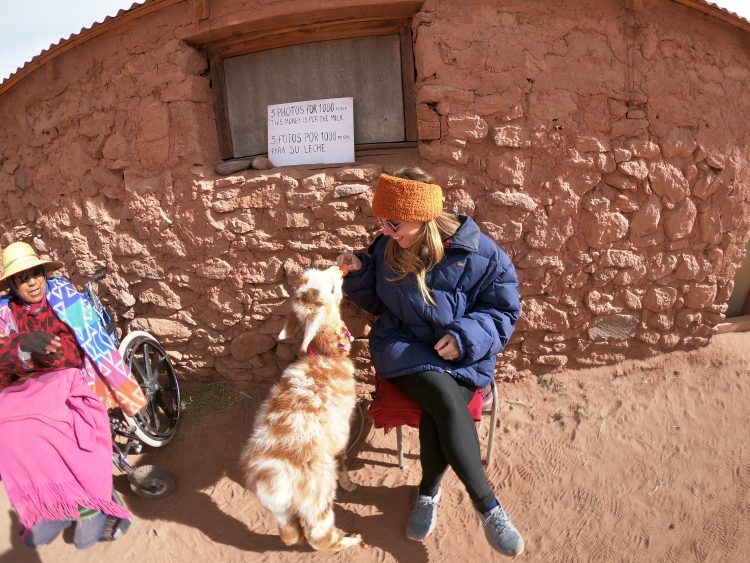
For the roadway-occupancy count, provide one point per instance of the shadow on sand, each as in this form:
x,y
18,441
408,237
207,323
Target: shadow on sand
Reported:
x,y
206,451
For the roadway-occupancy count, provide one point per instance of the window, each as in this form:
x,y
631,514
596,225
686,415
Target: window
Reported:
x,y
739,301
375,67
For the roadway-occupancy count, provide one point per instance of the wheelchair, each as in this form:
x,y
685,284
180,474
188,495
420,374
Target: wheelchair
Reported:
x,y
156,424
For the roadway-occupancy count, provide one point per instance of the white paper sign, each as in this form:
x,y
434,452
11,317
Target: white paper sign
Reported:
x,y
311,132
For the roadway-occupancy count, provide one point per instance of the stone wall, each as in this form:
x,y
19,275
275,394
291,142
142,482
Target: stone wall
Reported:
x,y
606,150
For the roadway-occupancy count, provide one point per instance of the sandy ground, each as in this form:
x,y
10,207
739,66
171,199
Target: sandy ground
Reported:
x,y
647,461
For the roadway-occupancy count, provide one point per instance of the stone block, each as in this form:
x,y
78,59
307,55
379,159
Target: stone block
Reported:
x,y
248,344
678,223
433,93
606,162
508,168
644,149
660,299
428,123
512,199
602,229
668,181
592,142
700,296
541,315
165,330
233,166
678,142
622,155
629,127
503,230
510,136
585,161
614,327
467,126
706,186
646,219
635,168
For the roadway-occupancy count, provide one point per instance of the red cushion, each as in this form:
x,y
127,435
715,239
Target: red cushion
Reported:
x,y
391,407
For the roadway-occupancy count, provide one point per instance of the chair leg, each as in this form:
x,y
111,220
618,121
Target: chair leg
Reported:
x,y
493,421
400,445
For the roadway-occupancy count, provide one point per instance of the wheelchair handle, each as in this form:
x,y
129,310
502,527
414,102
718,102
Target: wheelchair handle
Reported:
x,y
100,275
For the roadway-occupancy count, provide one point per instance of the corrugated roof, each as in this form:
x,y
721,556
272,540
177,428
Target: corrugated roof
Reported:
x,y
715,10
725,10
138,9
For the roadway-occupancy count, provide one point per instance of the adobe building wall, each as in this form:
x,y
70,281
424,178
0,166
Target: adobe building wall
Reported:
x,y
606,150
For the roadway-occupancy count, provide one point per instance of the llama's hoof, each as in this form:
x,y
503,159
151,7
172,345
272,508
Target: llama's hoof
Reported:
x,y
349,540
292,536
289,541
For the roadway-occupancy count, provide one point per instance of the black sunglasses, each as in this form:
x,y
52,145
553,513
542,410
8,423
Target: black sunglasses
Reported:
x,y
23,277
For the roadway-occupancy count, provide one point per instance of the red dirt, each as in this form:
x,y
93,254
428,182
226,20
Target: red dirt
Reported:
x,y
646,461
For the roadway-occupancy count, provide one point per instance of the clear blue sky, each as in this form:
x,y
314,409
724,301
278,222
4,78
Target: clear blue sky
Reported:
x,y
29,26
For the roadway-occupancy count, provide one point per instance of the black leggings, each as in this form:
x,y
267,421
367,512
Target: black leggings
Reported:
x,y
447,434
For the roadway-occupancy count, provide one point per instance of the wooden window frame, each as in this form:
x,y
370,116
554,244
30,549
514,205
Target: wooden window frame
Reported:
x,y
234,46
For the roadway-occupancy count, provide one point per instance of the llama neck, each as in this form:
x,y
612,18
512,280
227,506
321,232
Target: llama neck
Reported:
x,y
331,342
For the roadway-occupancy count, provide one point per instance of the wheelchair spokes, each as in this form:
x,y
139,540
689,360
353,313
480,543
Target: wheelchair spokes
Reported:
x,y
151,367
156,424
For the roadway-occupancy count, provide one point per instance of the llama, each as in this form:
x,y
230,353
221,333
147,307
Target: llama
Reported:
x,y
297,449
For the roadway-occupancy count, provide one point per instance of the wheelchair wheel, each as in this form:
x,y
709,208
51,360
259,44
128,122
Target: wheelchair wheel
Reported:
x,y
156,423
150,481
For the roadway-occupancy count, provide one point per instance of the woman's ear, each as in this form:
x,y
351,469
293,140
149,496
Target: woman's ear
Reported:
x,y
291,327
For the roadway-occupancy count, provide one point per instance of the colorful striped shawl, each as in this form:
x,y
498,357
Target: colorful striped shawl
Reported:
x,y
103,363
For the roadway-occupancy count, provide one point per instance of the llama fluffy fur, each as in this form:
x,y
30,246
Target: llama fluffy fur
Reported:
x,y
296,452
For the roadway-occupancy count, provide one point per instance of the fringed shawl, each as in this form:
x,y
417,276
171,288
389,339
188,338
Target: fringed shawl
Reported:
x,y
55,448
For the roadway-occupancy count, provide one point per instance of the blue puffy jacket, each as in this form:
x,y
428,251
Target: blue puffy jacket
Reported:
x,y
476,293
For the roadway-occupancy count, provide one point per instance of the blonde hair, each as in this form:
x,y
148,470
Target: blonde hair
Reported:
x,y
428,250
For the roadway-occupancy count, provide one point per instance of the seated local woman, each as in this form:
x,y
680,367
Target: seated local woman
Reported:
x,y
59,373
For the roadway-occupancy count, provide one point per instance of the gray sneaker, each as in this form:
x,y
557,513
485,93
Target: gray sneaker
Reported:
x,y
423,517
501,533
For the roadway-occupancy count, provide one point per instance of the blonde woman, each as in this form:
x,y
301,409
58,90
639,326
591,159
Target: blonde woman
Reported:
x,y
446,297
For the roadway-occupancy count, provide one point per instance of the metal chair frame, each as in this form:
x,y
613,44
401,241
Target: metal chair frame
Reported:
x,y
490,439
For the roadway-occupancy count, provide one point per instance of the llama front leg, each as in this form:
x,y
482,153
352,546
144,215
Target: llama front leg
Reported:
x,y
343,475
290,528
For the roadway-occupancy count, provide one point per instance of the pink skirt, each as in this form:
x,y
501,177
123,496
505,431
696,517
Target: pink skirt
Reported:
x,y
55,448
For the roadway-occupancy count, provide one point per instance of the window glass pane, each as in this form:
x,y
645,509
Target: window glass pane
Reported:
x,y
741,292
366,68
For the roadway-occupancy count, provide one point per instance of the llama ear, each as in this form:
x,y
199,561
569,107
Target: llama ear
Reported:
x,y
312,326
291,327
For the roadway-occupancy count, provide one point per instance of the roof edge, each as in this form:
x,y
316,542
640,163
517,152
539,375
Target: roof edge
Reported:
x,y
716,11
149,6
96,29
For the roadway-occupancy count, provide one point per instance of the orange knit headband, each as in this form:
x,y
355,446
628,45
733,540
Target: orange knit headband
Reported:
x,y
406,200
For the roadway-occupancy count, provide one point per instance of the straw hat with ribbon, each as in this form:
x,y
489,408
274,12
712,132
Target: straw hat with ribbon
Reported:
x,y
19,257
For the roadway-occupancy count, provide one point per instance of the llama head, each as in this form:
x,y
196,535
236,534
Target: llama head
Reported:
x,y
316,297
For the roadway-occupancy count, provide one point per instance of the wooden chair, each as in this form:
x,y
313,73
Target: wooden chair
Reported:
x,y
391,408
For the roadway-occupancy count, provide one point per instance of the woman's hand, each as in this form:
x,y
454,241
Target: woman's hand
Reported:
x,y
54,348
349,259
41,343
447,347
